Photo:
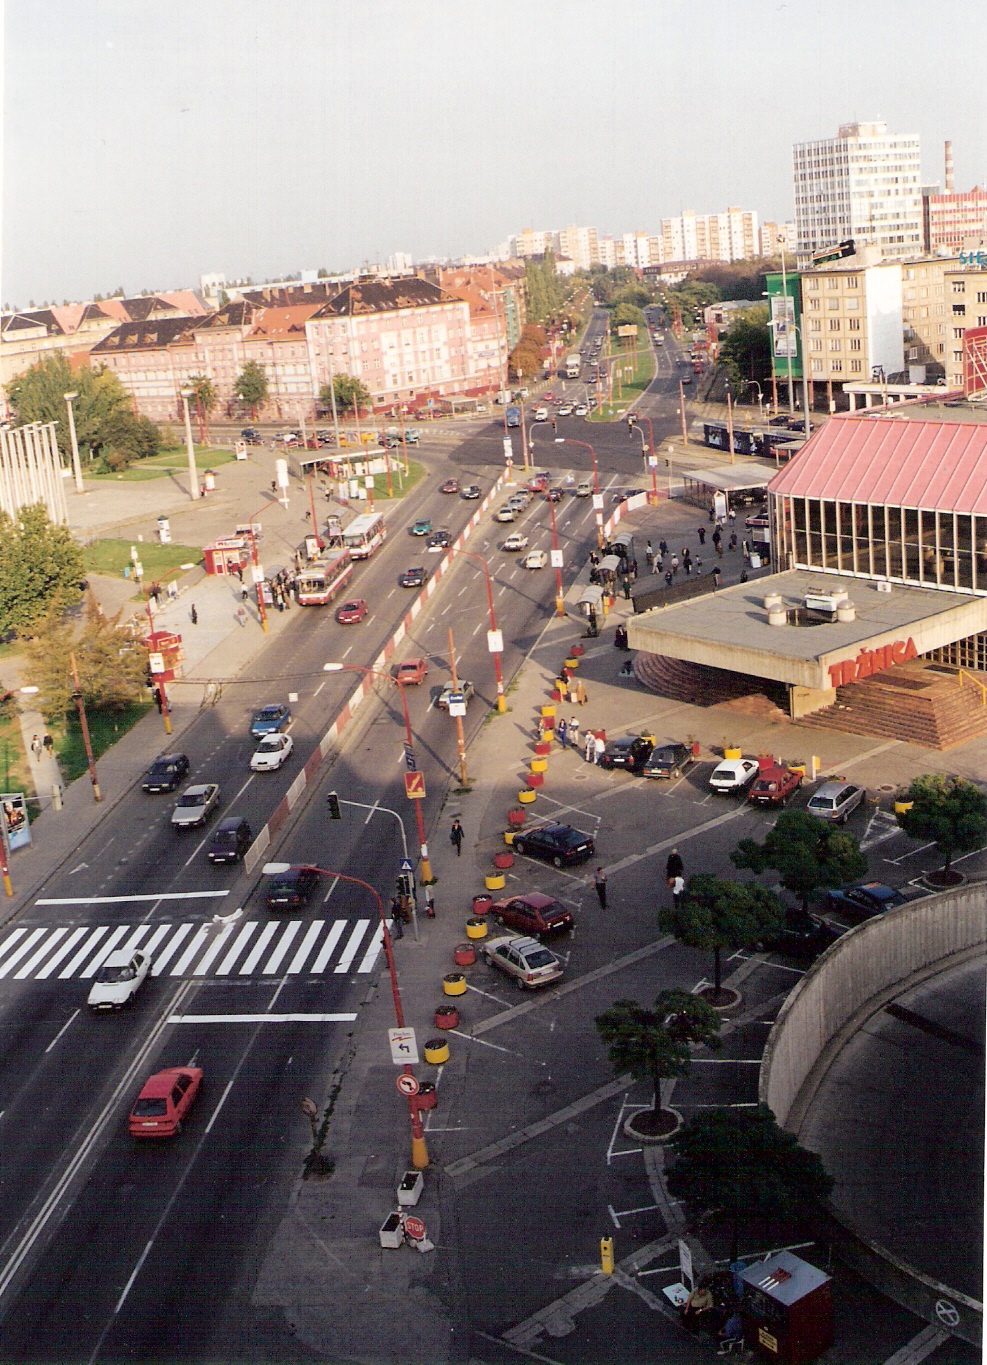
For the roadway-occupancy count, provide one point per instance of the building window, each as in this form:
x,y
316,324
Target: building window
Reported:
x,y
833,303
855,343
856,366
812,284
833,282
959,310
851,282
813,303
853,324
959,286
834,324
836,366
852,305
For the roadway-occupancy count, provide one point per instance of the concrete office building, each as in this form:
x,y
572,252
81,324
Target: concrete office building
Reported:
x,y
864,184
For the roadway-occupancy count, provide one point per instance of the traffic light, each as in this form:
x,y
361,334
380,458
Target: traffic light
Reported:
x,y
332,800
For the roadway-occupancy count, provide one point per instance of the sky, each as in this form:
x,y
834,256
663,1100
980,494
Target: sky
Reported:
x,y
146,142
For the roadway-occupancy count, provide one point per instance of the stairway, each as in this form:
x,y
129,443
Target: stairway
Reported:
x,y
697,683
922,703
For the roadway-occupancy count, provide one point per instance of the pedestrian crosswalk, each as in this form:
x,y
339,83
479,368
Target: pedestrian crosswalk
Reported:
x,y
256,949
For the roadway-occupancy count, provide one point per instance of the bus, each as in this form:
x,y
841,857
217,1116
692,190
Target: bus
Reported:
x,y
365,535
319,582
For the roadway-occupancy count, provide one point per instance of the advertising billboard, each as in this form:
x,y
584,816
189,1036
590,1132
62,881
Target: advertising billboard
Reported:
x,y
784,298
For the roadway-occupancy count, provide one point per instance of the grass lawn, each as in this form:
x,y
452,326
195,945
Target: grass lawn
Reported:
x,y
105,728
167,463
642,364
159,561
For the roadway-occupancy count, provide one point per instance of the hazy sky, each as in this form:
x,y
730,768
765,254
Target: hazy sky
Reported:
x,y
147,141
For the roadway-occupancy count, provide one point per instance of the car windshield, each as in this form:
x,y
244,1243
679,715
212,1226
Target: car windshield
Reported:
x,y
286,886
224,838
269,745
188,800
162,769
822,802
538,957
150,1109
109,976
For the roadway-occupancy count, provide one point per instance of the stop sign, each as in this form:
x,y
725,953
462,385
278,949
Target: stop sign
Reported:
x,y
414,1227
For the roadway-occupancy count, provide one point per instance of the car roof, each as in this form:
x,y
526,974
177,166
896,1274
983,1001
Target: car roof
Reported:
x,y
271,709
536,899
200,789
168,758
831,789
121,958
731,765
520,944
230,822
159,1086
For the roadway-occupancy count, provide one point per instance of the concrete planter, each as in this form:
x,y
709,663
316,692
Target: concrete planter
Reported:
x,y
446,1016
536,779
494,881
464,955
526,796
411,1186
481,904
454,983
391,1232
502,861
476,928
548,712
427,1097
436,1051
509,836
516,817
539,765
543,747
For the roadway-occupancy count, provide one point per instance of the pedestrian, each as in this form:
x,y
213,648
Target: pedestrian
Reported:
x,y
49,744
747,551
744,575
675,564
659,564
573,732
580,695
456,836
562,730
244,592
156,694
733,516
562,689
36,745
241,616
590,746
397,919
429,903
717,539
156,593
193,615
733,540
541,729
687,565
599,745
674,866
600,882
668,578
677,885
702,535
663,547
717,576
625,584
633,569
649,556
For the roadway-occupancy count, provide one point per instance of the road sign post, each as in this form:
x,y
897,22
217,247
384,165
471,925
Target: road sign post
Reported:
x,y
414,787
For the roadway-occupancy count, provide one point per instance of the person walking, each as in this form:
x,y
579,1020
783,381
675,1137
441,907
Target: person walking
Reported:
x,y
675,564
599,746
687,562
649,556
429,903
717,539
590,747
733,540
663,547
701,531
573,732
49,744
193,615
717,576
562,730
456,835
626,585
244,592
580,696
397,919
600,883
668,578
674,866
36,746
241,616
677,885
156,695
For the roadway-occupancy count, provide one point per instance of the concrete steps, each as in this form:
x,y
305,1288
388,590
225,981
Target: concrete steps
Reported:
x,y
922,704
695,683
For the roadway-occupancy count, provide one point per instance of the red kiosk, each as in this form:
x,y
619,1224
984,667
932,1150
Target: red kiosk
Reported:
x,y
227,555
169,646
787,1309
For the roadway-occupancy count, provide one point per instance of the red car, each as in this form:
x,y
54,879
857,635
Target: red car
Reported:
x,y
165,1100
412,671
450,486
538,483
352,613
534,914
773,786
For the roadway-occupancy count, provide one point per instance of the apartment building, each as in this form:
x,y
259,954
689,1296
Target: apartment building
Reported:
x,y
852,321
732,235
864,184
775,237
579,244
965,310
951,219
923,315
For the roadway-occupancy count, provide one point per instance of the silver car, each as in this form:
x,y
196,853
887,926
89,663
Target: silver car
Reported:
x,y
529,962
195,805
835,801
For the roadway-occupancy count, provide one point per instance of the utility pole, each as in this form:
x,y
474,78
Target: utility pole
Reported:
x,y
460,737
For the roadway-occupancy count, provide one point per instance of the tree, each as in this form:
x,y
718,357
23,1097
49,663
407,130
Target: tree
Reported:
x,y
737,1163
653,1044
713,914
127,437
39,396
627,315
250,386
950,812
204,390
746,349
41,568
806,853
111,664
350,393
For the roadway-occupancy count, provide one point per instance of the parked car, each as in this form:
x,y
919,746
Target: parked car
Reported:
x,y
630,752
164,1102
564,411
450,486
415,577
773,786
835,801
231,839
863,900
165,773
421,527
535,559
352,613
581,410
271,752
411,671
733,775
515,542
471,492
442,700
533,914
560,845
554,494
538,483
251,435
802,936
119,979
529,962
439,541
291,890
669,760
195,805
269,720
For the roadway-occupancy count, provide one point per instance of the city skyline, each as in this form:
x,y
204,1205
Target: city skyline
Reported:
x,y
182,139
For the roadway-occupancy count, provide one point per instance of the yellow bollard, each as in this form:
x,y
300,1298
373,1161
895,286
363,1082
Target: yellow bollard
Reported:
x,y
606,1255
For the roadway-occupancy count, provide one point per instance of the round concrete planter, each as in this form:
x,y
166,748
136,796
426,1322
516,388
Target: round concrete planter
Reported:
x,y
728,998
481,904
494,881
526,797
516,817
464,955
436,1051
536,779
446,1016
454,983
640,1127
502,861
427,1097
543,747
509,836
539,765
548,712
476,928
578,651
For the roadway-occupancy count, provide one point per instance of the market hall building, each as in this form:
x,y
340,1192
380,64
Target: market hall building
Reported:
x,y
875,620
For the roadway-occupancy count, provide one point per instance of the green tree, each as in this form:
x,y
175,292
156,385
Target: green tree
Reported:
x,y
746,350
204,390
626,315
807,854
350,393
713,914
653,1044
39,396
738,1164
41,568
250,386
634,294
111,663
949,812
127,437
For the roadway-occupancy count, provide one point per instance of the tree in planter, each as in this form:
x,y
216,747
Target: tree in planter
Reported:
x,y
251,387
713,914
806,853
738,1164
949,812
41,568
351,393
653,1044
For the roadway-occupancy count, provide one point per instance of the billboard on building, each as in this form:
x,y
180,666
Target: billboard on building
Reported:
x,y
975,361
784,303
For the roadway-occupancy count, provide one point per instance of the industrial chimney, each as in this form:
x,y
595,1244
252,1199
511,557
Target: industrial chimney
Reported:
x,y
949,168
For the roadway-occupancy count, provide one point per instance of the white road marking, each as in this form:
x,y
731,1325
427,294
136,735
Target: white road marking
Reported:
x,y
259,1019
72,1016
124,900
354,941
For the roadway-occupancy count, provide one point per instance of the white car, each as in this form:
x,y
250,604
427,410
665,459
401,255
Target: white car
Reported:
x,y
565,410
516,542
581,410
271,752
733,775
195,805
506,514
535,559
119,979
529,962
584,489
541,415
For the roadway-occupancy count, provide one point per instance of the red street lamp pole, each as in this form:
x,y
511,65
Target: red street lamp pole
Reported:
x,y
419,1151
494,641
258,577
426,866
570,440
559,597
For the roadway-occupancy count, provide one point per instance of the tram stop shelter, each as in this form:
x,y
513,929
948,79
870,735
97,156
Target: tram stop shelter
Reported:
x,y
742,483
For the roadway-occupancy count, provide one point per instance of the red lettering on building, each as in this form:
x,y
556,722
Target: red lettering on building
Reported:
x,y
871,661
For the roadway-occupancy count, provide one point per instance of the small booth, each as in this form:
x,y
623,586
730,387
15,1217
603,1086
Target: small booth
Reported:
x,y
623,546
227,555
726,486
169,646
590,605
787,1309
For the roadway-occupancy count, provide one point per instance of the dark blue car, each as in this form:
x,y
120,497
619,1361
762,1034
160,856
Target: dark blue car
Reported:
x,y
270,719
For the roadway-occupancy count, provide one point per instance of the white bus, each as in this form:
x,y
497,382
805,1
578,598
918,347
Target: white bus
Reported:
x,y
365,535
319,582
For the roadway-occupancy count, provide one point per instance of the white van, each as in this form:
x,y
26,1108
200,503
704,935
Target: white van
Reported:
x,y
541,414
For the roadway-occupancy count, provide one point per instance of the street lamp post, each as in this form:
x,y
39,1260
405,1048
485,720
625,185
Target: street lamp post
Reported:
x,y
597,495
495,643
419,1150
556,555
426,866
193,475
257,570
76,467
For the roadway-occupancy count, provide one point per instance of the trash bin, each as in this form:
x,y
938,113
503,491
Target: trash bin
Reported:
x,y
210,481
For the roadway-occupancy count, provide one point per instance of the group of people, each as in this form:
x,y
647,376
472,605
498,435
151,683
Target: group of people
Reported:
x,y
713,1309
47,744
570,690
